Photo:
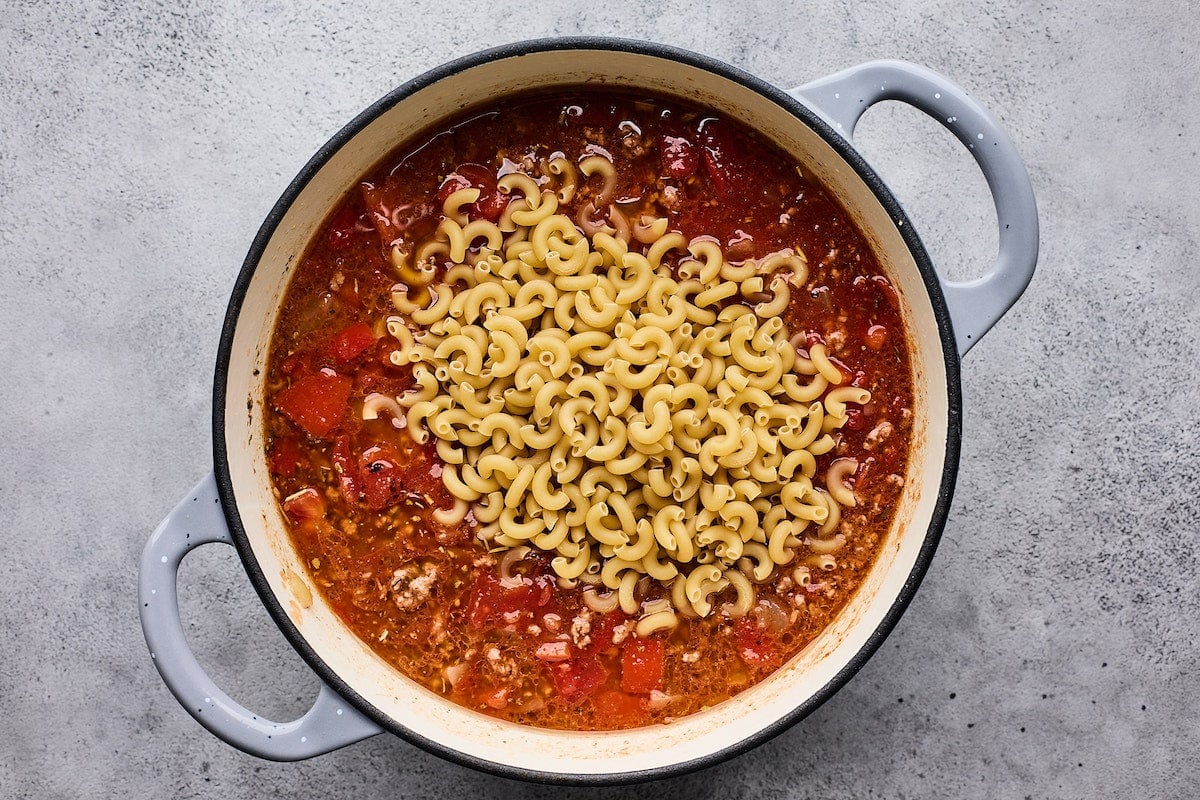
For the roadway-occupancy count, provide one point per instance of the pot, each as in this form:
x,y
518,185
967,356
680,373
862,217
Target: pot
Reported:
x,y
361,695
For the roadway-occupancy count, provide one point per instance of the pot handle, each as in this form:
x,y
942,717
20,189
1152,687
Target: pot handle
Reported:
x,y
330,723
975,305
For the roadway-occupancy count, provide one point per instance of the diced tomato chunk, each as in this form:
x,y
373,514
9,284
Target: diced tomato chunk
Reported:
x,y
617,709
384,472
602,630
642,665
316,402
450,185
678,156
875,288
351,342
381,478
491,206
725,159
379,374
347,470
393,381
490,601
595,114
847,373
348,294
492,201
295,365
887,290
755,645
855,419
423,475
578,677
877,336
285,456
391,210
306,504
342,228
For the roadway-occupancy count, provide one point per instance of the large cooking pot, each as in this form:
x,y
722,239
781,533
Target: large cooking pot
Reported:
x,y
362,695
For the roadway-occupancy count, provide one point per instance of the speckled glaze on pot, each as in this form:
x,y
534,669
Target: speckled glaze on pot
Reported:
x,y
362,695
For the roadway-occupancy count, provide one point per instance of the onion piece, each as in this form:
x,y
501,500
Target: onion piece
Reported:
x,y
771,614
534,703
454,673
659,700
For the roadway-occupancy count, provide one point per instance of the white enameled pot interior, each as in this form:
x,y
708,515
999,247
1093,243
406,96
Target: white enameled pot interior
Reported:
x,y
475,735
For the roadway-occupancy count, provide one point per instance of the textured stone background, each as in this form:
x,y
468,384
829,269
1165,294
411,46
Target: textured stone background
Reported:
x,y
1052,649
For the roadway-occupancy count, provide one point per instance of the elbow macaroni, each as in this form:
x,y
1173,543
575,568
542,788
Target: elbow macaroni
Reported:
x,y
639,423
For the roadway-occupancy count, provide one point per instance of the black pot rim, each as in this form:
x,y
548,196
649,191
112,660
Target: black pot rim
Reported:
x,y
862,169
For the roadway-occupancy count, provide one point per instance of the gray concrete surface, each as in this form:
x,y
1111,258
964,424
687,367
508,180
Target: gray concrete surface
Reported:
x,y
1052,649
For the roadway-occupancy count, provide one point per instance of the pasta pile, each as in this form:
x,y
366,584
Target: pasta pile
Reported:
x,y
632,420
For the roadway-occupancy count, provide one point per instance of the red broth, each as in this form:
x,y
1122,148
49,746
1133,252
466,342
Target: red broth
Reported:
x,y
358,494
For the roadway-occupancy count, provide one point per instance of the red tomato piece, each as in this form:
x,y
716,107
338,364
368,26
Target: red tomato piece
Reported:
x,y
348,294
379,202
387,473
755,644
847,373
351,342
285,456
642,665
306,504
491,202
450,185
887,290
422,474
295,365
381,477
855,419
678,156
491,206
597,114
877,336
602,631
342,228
619,710
578,677
391,210
316,403
725,160
383,473
379,374
490,601
875,288
347,470
376,378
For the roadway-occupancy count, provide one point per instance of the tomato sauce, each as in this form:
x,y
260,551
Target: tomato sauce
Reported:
x,y
361,496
